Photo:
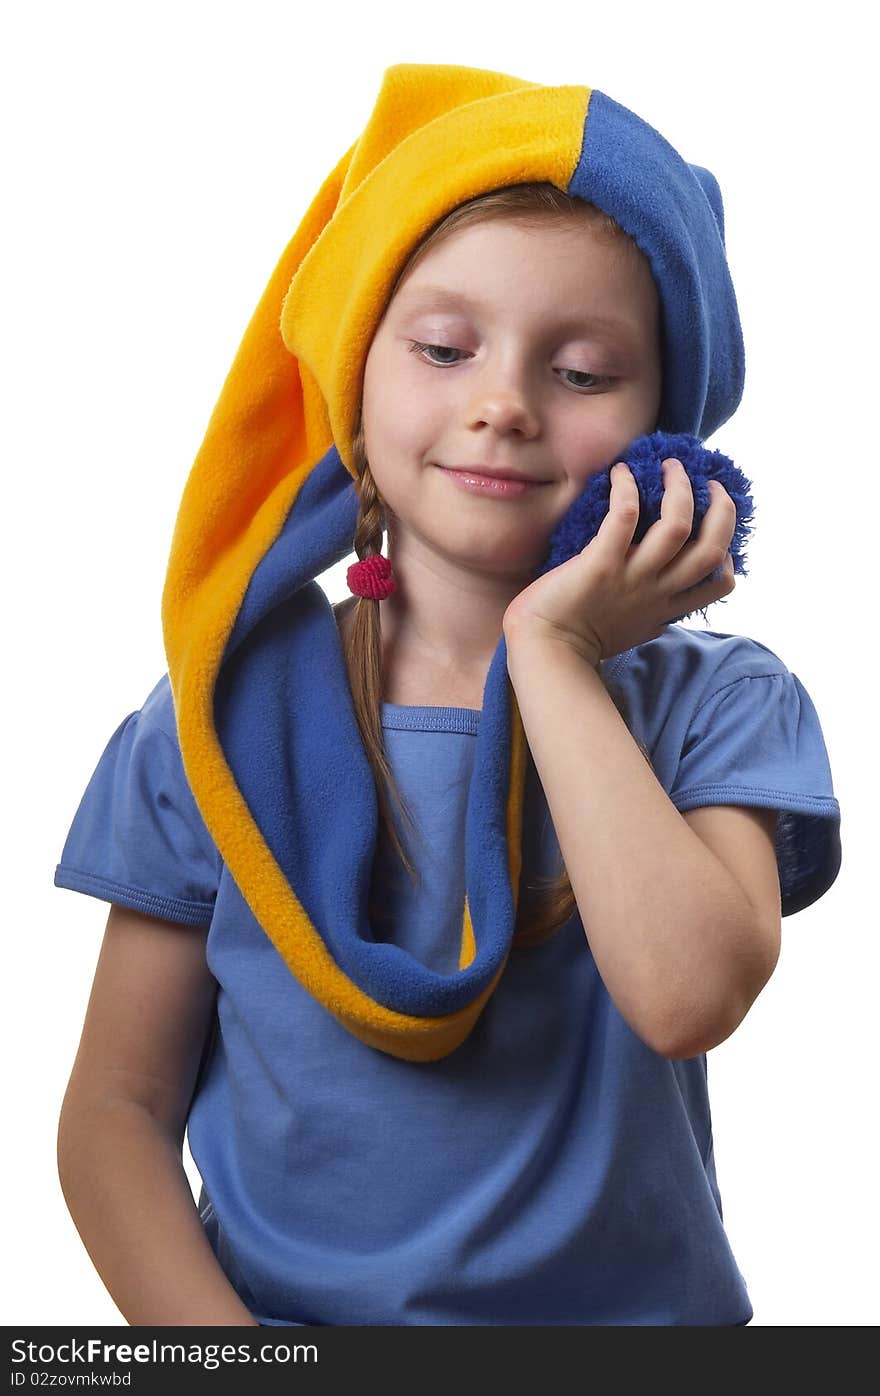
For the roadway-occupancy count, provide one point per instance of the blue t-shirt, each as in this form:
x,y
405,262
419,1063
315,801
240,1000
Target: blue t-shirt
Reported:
x,y
553,1169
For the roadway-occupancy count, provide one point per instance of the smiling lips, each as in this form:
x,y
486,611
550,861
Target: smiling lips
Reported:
x,y
493,486
486,472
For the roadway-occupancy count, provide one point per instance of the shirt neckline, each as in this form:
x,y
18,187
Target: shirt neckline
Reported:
x,y
423,718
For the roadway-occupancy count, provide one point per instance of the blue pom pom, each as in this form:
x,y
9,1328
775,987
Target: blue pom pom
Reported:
x,y
645,458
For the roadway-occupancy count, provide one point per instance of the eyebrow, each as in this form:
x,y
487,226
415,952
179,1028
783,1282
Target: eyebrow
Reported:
x,y
436,296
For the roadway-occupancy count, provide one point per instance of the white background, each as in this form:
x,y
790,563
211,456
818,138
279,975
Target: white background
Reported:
x,y
157,160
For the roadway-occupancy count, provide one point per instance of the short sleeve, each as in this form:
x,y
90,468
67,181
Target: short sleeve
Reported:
x,y
137,837
757,740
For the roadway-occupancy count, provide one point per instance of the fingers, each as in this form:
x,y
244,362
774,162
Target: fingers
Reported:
x,y
710,550
701,594
614,534
667,549
668,535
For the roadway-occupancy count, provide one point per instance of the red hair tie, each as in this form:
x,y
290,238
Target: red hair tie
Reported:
x,y
371,577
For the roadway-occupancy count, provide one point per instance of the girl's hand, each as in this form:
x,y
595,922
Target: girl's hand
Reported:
x,y
616,594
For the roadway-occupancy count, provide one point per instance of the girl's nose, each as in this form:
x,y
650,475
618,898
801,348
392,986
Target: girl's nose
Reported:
x,y
505,405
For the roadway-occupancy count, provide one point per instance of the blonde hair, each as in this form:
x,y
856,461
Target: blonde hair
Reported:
x,y
544,904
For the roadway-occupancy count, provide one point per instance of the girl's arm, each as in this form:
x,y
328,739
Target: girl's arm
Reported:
x,y
122,1125
676,939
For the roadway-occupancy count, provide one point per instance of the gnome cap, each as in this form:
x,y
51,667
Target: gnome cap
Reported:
x,y
265,718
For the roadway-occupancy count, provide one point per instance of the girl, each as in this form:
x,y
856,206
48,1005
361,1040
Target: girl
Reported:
x,y
426,909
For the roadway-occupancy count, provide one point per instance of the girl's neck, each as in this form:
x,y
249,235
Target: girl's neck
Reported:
x,y
412,678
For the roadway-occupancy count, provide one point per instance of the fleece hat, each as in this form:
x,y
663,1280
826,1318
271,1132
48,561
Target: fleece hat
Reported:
x,y
265,716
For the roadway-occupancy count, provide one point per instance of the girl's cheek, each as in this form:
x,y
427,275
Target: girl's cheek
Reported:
x,y
590,452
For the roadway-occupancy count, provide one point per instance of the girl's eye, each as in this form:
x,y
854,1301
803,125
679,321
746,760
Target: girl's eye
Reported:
x,y
582,373
417,347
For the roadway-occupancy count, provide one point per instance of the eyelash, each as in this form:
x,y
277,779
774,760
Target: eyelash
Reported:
x,y
416,346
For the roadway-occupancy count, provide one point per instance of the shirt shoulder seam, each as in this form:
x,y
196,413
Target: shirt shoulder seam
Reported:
x,y
731,683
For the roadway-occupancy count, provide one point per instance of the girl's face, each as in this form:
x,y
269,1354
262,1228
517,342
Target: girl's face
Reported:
x,y
544,358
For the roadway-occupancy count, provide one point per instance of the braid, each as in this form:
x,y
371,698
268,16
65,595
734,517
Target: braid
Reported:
x,y
364,656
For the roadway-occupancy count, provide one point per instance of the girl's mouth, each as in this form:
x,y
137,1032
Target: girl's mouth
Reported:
x,y
490,485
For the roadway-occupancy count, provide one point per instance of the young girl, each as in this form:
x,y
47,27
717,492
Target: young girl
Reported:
x,y
427,908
